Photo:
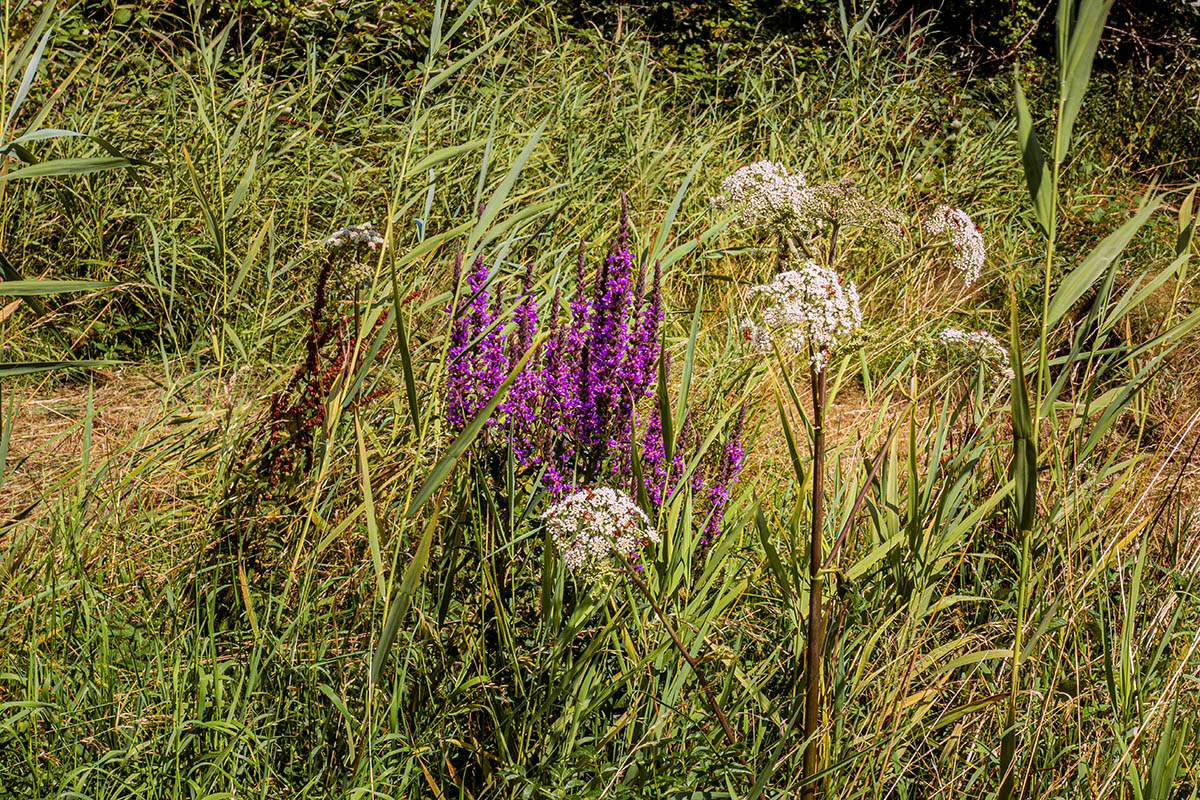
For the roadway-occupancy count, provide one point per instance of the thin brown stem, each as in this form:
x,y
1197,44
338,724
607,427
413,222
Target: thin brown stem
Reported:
x,y
812,674
636,580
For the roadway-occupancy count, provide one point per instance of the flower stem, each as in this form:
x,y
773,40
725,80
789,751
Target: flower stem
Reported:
x,y
812,672
636,580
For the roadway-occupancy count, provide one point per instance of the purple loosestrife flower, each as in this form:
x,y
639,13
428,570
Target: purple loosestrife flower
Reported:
x,y
460,361
521,405
654,467
603,384
728,467
475,361
643,353
493,360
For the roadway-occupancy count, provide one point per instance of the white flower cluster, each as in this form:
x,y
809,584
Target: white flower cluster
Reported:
x,y
843,203
593,527
965,237
978,346
811,308
765,193
359,236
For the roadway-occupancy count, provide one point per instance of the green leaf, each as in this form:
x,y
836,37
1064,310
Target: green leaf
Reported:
x,y
1076,69
13,369
402,598
664,231
664,404
73,166
1024,466
1187,224
689,361
445,154
1037,174
1094,265
27,78
501,194
38,288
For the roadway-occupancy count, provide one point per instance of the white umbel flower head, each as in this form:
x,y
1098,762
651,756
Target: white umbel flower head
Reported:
x,y
599,531
965,237
810,308
765,193
980,347
361,237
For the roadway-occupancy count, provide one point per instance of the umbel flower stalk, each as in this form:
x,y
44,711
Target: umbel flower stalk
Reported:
x,y
599,533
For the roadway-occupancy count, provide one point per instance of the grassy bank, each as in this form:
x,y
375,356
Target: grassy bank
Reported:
x,y
385,614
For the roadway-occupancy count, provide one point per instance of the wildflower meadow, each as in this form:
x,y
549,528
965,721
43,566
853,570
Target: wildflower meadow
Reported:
x,y
504,400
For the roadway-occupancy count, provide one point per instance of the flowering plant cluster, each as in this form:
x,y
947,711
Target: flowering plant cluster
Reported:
x,y
965,238
767,195
575,411
977,347
599,531
362,236
807,309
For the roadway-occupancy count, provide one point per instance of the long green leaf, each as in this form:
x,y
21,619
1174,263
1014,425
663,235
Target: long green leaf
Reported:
x,y
13,369
73,166
1095,264
501,194
1076,70
36,288
1037,174
402,599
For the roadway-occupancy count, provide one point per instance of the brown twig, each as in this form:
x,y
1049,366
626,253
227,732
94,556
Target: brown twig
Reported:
x,y
636,580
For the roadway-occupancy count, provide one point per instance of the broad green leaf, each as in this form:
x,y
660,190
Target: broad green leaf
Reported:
x,y
501,194
1187,224
1024,465
1076,69
1095,264
403,597
73,166
26,79
1037,174
36,288
445,154
664,231
15,368
445,74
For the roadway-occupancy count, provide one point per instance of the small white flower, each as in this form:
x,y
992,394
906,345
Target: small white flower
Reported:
x,y
765,193
808,308
598,530
965,237
978,346
841,202
361,236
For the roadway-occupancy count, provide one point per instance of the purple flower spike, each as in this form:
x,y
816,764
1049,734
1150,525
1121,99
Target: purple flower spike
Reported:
x,y
728,467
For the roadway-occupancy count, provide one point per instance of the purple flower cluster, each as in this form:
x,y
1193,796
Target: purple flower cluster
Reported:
x,y
476,363
573,410
728,466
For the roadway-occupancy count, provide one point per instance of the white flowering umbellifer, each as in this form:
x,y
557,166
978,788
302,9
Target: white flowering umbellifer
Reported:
x,y
842,203
362,236
978,346
965,237
765,193
810,308
599,530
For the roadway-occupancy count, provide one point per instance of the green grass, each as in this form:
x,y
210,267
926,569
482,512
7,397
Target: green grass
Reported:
x,y
154,643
